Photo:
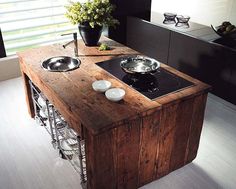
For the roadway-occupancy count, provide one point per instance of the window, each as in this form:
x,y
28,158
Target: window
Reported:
x,y
30,23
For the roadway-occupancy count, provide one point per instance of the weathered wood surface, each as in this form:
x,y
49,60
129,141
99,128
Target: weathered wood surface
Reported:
x,y
130,143
72,93
196,128
145,149
149,147
28,98
73,96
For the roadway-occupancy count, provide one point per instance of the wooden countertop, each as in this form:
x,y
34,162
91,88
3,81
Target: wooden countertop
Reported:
x,y
72,94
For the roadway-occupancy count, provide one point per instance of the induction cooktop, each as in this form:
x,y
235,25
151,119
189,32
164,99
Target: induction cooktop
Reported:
x,y
152,86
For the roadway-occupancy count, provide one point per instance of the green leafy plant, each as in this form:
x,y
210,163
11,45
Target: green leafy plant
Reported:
x,y
93,12
103,47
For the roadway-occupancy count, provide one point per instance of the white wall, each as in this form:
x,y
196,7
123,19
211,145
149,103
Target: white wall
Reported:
x,y
9,68
205,12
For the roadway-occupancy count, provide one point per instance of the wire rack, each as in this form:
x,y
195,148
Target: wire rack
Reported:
x,y
68,143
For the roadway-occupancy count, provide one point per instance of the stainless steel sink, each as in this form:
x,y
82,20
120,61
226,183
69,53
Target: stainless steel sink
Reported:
x,y
61,64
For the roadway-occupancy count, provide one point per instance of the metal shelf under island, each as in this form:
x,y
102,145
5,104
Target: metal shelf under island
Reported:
x,y
64,139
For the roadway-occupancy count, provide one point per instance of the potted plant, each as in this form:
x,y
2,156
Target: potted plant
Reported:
x,y
91,17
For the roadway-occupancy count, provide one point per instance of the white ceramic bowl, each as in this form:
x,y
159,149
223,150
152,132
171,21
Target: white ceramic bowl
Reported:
x,y
115,94
42,114
41,102
101,85
64,145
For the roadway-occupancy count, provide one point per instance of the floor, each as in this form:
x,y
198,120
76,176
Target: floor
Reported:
x,y
28,161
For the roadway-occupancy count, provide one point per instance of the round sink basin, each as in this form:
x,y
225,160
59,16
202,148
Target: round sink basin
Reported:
x,y
61,64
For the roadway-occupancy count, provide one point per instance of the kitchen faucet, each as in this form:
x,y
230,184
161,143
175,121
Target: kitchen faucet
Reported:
x,y
75,43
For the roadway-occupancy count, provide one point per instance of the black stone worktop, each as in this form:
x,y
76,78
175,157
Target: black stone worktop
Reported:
x,y
195,30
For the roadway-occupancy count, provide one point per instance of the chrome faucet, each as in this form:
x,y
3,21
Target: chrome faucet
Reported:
x,y
75,43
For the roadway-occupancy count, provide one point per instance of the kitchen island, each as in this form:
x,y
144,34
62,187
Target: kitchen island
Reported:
x,y
128,143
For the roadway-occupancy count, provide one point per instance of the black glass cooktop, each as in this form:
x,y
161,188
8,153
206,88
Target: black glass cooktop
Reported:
x,y
151,86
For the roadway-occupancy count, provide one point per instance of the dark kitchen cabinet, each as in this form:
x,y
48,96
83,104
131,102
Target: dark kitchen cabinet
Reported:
x,y
140,9
203,60
148,39
193,51
231,59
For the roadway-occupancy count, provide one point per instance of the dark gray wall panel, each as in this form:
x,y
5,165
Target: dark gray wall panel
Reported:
x,y
205,61
148,39
124,8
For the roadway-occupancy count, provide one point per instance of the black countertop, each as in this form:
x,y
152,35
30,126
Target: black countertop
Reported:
x,y
153,85
195,30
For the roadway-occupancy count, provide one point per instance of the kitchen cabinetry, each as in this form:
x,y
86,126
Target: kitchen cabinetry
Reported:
x,y
192,51
140,9
129,143
202,60
230,58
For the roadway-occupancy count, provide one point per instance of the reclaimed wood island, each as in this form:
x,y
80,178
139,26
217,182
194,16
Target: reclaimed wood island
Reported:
x,y
128,143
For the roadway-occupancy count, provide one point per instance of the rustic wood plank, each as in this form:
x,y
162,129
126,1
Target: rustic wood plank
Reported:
x,y
72,90
99,158
196,128
149,138
166,139
90,160
28,97
72,117
57,83
127,141
182,126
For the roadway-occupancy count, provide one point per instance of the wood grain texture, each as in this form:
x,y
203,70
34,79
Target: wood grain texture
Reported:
x,y
166,141
149,147
180,130
182,127
25,145
28,95
99,157
196,128
72,94
129,143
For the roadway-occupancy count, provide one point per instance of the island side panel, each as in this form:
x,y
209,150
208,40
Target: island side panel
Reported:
x,y
149,148
196,127
127,148
28,95
180,130
183,123
112,157
166,139
124,157
100,160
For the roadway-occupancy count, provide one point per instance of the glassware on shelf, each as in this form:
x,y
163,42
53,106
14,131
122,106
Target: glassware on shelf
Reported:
x,y
182,21
169,18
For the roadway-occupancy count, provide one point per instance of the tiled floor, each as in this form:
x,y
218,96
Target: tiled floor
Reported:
x,y
28,161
